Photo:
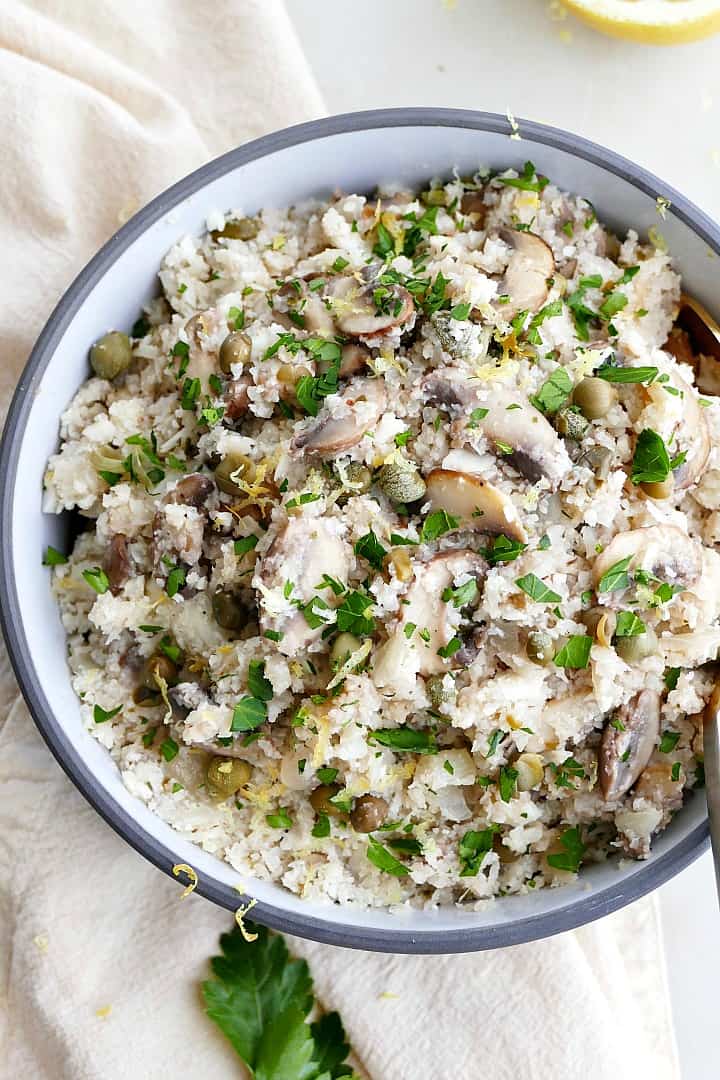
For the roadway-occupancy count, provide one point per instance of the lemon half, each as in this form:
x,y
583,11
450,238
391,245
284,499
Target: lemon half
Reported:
x,y
654,22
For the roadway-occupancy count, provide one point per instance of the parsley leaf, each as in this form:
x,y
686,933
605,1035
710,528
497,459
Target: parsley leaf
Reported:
x,y
613,302
245,544
575,653
613,374
473,848
629,625
405,739
260,999
437,524
508,779
616,577
554,392
476,416
53,557
248,714
503,550
258,685
528,180
100,715
379,856
352,614
668,741
548,312
570,859
651,461
97,579
537,589
672,674
175,580
371,549
462,595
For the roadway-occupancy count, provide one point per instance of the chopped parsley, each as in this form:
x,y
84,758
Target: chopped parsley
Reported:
x,y
321,828
547,312
352,614
453,645
537,589
371,549
507,782
175,580
101,716
245,544
574,850
384,860
554,392
97,579
476,416
258,685
575,653
672,674
473,847
280,820
528,180
502,550
462,595
668,741
460,311
629,625
437,524
405,739
169,748
616,577
53,557
651,461
249,713
613,374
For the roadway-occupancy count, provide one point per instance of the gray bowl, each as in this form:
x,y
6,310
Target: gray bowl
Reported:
x,y
352,152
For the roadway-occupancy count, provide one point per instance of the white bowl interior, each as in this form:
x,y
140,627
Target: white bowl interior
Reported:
x,y
353,161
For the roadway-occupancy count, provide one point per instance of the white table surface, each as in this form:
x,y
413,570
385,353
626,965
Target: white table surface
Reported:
x,y
658,106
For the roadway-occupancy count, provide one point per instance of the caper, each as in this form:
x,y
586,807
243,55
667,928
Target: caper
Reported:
x,y
320,800
634,649
111,355
440,690
401,482
571,424
660,489
225,776
599,460
243,228
539,647
358,477
158,667
343,647
235,349
600,622
594,397
368,814
229,464
229,610
530,770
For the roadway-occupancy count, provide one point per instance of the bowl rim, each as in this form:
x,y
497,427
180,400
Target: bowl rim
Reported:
x,y
579,910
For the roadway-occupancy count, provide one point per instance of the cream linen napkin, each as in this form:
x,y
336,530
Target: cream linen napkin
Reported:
x,y
103,104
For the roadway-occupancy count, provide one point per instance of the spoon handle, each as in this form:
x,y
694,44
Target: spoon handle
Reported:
x,y
711,750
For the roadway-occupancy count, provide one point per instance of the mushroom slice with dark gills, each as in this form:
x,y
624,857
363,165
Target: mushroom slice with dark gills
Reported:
x,y
526,277
116,562
431,615
662,550
290,574
296,304
474,502
368,311
515,430
179,523
344,419
695,340
628,741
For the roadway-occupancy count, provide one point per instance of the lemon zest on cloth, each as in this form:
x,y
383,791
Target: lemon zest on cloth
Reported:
x,y
183,868
103,1012
41,942
240,920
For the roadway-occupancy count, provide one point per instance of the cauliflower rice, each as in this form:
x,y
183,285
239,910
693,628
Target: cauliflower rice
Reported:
x,y
399,577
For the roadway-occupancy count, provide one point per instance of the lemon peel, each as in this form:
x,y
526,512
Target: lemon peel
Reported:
x,y
183,868
240,915
103,1012
653,22
514,129
662,205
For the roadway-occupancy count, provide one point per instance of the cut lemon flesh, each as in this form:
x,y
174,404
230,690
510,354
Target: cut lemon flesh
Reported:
x,y
654,22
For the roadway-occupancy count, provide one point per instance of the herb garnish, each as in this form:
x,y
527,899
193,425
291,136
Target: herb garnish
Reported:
x,y
570,859
53,557
473,848
537,589
575,653
371,549
100,715
384,860
553,393
651,462
97,579
502,550
405,739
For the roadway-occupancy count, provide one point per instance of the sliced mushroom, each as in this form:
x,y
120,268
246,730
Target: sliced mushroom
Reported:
x,y
202,358
680,420
193,490
475,502
236,398
354,359
690,650
295,304
663,550
341,425
367,311
536,449
425,610
526,277
628,741
303,551
656,784
117,562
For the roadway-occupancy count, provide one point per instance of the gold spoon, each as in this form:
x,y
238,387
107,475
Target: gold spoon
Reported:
x,y
695,339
